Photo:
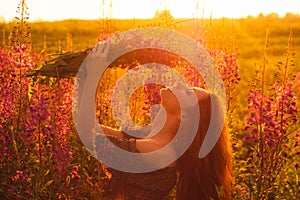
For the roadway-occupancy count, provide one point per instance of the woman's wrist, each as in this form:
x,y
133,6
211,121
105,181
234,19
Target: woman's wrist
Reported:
x,y
92,78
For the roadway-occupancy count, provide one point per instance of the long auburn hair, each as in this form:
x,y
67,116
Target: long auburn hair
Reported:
x,y
209,177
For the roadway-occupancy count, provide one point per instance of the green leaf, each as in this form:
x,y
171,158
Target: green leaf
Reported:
x,y
46,185
30,86
68,180
46,173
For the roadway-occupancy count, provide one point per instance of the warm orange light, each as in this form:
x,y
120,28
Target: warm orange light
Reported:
x,y
92,9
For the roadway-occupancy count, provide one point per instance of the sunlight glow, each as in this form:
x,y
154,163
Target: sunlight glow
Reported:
x,y
92,9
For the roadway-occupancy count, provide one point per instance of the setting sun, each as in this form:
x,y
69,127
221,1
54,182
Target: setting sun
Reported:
x,y
93,9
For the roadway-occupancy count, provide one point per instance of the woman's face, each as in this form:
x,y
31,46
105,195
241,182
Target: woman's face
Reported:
x,y
170,102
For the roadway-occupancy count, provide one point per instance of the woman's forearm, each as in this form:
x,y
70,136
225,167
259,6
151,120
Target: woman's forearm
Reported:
x,y
86,120
86,115
110,131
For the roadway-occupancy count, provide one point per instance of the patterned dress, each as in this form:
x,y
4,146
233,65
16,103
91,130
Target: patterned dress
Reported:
x,y
153,185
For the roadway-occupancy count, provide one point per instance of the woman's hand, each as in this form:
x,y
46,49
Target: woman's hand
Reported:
x,y
96,61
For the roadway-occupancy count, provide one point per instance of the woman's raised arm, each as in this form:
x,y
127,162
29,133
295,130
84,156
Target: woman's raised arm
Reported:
x,y
94,65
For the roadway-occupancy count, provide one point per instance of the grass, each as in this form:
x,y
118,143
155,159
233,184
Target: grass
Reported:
x,y
246,36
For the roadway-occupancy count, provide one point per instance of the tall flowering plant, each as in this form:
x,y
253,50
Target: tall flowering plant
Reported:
x,y
269,130
298,83
40,156
227,64
14,60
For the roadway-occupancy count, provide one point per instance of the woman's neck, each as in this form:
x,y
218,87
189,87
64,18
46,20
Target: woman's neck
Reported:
x,y
169,130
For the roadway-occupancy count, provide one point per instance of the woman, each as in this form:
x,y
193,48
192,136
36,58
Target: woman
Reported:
x,y
194,178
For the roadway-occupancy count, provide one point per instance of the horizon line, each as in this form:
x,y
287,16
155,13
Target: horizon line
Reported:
x,y
147,18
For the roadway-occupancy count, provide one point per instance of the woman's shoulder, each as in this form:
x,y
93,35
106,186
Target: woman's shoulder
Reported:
x,y
151,151
159,152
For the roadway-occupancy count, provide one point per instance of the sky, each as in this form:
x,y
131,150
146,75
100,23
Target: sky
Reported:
x,y
51,10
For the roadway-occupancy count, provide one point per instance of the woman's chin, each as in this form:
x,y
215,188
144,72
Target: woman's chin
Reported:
x,y
164,92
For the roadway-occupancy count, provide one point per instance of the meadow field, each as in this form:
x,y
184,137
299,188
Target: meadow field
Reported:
x,y
258,59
